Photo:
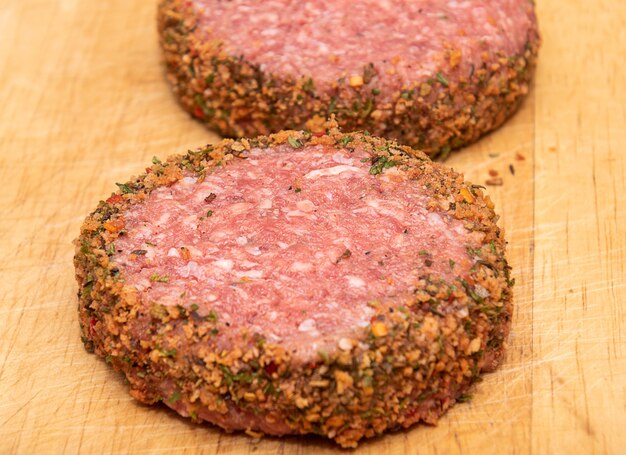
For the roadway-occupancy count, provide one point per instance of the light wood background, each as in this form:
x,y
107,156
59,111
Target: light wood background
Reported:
x,y
83,104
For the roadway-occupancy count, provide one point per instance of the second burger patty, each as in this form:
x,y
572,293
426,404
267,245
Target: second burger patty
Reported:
x,y
434,75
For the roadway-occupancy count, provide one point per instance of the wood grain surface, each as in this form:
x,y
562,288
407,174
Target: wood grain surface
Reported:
x,y
84,104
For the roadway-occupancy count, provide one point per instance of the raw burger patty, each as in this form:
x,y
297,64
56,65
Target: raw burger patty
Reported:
x,y
332,284
432,74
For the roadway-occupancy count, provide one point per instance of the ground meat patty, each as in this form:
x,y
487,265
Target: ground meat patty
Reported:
x,y
332,284
432,74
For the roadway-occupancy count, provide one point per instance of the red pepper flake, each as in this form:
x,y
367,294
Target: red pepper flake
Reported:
x,y
210,198
319,134
271,368
198,112
519,157
493,173
148,170
496,181
115,199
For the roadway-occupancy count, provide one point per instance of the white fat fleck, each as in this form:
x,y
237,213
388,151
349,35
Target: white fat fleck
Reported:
x,y
434,219
190,220
241,240
481,291
375,204
291,213
188,181
463,312
342,159
301,266
307,325
253,274
355,281
363,323
283,245
335,170
216,236
225,264
173,253
459,229
306,205
254,251
265,204
239,207
143,284
399,240
191,269
163,219
272,316
249,264
211,298
345,344
329,195
242,294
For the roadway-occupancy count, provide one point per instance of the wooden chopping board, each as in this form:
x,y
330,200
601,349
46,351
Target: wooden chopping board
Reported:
x,y
84,104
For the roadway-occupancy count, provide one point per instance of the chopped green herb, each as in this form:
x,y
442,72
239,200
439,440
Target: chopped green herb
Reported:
x,y
208,112
367,108
159,278
375,91
139,252
209,213
368,73
464,398
212,316
492,246
381,163
324,355
345,140
406,94
150,243
308,85
168,352
111,249
441,78
295,143
125,188
451,262
297,190
209,79
194,307
423,253
174,398
345,255
155,160
332,105
444,152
